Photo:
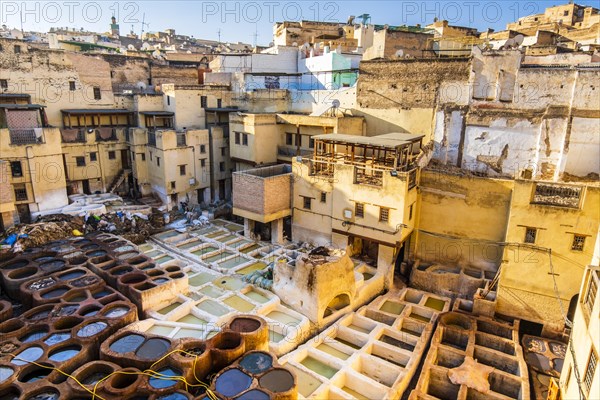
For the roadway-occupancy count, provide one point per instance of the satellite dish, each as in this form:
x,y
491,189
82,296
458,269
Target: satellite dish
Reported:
x,y
130,47
399,53
335,103
271,44
295,44
140,85
519,39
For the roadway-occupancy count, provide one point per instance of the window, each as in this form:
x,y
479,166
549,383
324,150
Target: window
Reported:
x,y
80,161
219,103
245,139
203,162
384,214
143,156
112,155
578,243
306,202
237,138
410,212
202,148
359,210
17,49
311,142
168,100
150,156
203,101
590,294
323,197
590,370
97,93
530,235
173,185
3,83
222,166
182,170
566,13
16,169
20,193
93,156
158,161
223,151
288,139
72,86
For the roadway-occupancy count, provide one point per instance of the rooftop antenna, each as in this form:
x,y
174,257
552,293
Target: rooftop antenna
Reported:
x,y
219,34
255,34
21,18
144,24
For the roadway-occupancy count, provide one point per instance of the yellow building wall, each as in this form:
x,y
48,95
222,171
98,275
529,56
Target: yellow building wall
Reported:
x,y
171,157
460,218
43,170
526,288
263,138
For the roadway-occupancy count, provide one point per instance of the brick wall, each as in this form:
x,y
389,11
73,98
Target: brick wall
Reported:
x,y
277,193
248,193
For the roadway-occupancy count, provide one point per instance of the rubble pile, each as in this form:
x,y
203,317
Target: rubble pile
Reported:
x,y
46,229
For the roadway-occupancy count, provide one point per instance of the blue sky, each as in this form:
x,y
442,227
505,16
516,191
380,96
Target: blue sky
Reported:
x,y
240,20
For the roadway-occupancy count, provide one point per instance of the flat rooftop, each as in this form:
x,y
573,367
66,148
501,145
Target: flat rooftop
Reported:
x,y
390,140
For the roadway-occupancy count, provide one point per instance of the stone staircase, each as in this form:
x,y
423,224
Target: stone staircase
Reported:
x,y
119,179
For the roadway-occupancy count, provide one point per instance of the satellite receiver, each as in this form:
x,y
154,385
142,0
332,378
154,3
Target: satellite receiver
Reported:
x,y
335,103
399,53
519,40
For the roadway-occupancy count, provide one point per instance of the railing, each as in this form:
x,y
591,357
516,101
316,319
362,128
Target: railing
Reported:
x,y
288,151
412,179
321,168
24,136
368,176
557,195
152,138
181,140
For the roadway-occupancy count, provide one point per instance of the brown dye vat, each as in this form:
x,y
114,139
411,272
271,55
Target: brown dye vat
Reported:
x,y
91,373
121,384
254,331
197,363
226,347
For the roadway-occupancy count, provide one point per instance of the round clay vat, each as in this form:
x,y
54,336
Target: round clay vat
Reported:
x,y
121,384
232,382
12,328
256,362
280,383
226,347
254,331
46,392
194,359
6,310
90,374
455,320
8,374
